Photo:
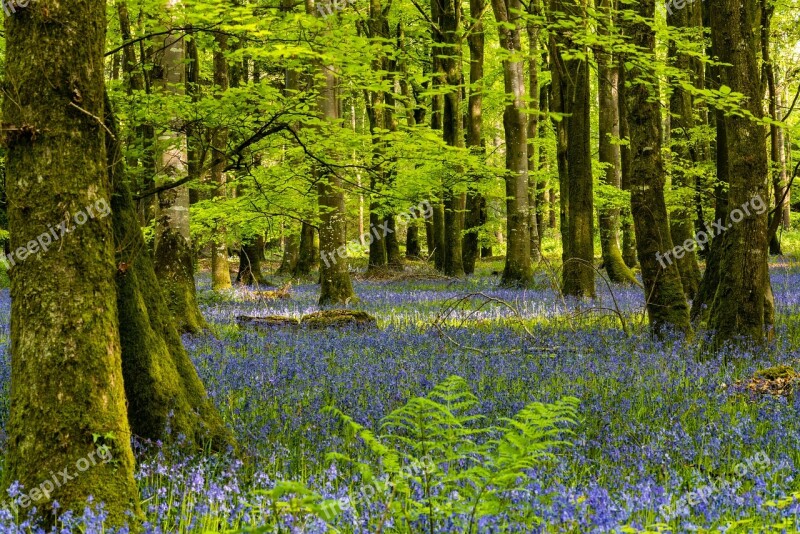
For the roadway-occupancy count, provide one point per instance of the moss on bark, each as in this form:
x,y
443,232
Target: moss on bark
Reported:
x,y
66,370
161,384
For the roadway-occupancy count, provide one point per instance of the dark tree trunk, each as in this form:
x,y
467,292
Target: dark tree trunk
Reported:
x,y
626,225
308,253
681,125
291,250
666,302
66,369
413,250
250,256
742,304
535,105
475,200
572,78
447,17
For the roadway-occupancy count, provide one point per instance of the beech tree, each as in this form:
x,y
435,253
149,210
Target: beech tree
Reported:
x,y
66,367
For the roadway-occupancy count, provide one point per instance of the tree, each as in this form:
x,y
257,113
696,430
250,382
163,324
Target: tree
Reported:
x,y
609,151
742,304
336,287
220,268
515,124
66,379
681,132
571,98
174,260
666,303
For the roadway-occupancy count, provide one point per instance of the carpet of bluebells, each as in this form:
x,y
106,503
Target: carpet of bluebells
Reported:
x,y
658,419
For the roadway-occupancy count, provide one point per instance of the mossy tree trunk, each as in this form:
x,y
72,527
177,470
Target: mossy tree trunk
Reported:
x,y
666,302
626,222
517,271
174,260
610,155
66,356
161,384
742,304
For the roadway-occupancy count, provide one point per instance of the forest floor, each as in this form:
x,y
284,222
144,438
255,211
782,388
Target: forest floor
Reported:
x,y
667,437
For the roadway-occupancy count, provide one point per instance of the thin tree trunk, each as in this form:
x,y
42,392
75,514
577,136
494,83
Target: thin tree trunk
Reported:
x,y
610,155
307,253
626,225
220,268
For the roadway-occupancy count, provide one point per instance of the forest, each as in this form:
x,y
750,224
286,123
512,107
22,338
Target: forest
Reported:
x,y
367,266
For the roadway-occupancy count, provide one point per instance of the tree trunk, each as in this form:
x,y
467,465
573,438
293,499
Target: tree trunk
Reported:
x,y
475,200
742,305
335,285
413,250
448,41
250,257
533,130
291,250
628,234
681,125
517,270
308,253
572,77
66,368
666,302
173,253
220,268
610,155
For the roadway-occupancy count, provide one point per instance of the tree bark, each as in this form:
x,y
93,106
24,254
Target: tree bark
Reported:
x,y
742,305
66,369
681,124
335,285
626,225
666,303
572,78
307,253
220,268
609,153
517,270
475,200
448,48
174,259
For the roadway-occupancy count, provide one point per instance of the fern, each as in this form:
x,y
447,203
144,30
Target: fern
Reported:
x,y
435,461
